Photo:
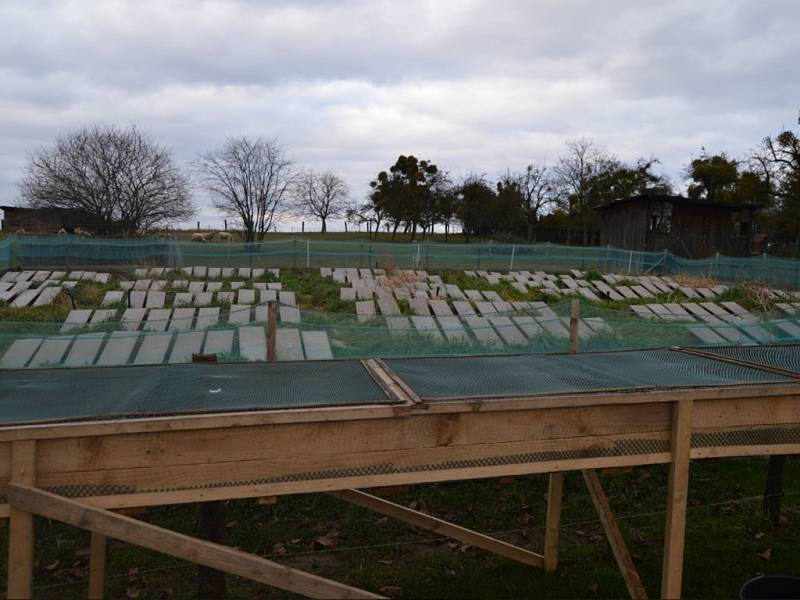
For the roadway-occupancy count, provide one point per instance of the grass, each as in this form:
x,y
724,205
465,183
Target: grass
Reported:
x,y
727,540
186,235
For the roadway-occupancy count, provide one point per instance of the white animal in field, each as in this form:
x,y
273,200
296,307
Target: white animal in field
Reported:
x,y
225,236
20,231
62,231
83,232
201,237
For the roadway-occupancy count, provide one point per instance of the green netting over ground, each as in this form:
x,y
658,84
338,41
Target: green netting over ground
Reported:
x,y
76,252
119,391
530,331
480,377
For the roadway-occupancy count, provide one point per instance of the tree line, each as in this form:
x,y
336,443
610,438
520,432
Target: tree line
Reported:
x,y
123,178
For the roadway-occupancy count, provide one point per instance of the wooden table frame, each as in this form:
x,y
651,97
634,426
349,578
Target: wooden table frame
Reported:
x,y
80,472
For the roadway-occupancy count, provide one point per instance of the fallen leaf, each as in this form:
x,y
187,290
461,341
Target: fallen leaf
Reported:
x,y
231,525
325,541
279,549
133,593
385,561
759,535
296,540
51,566
766,554
391,590
381,522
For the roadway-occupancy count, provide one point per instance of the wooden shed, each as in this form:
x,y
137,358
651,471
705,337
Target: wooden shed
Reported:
x,y
688,227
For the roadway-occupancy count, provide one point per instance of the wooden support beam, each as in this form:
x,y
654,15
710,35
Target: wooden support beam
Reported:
x,y
574,323
272,328
614,535
552,529
423,521
20,535
97,566
211,528
677,491
230,560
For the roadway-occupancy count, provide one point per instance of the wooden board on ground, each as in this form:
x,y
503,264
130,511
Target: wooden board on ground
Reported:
x,y
76,319
253,343
186,344
153,349
51,352
507,331
118,349
288,345
218,341
84,350
427,326
316,345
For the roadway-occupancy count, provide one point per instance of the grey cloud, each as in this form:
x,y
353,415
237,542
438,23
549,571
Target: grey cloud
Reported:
x,y
476,86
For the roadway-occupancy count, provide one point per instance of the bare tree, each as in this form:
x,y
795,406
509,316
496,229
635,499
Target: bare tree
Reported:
x,y
320,195
249,181
120,177
576,170
537,190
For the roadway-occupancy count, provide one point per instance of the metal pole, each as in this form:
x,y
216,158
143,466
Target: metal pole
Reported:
x,y
308,254
513,252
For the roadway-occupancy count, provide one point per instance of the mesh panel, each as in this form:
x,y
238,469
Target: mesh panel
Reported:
x,y
489,376
75,251
777,357
141,391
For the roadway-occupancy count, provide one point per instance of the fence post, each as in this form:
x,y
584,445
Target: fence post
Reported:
x,y
630,261
416,260
574,315
513,252
308,254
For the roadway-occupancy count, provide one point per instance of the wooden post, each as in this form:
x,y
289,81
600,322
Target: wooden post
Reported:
x,y
272,326
552,528
97,566
211,527
574,316
614,535
20,531
677,490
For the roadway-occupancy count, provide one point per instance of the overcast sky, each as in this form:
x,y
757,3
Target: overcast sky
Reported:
x,y
472,85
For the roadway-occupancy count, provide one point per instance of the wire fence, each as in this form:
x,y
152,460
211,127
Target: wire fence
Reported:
x,y
75,252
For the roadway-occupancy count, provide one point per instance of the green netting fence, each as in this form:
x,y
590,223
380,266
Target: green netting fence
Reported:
x,y
76,252
525,332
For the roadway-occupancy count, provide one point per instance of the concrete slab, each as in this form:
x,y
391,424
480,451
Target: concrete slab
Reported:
x,y
118,349
132,318
288,345
153,349
186,344
157,319
76,319
253,343
317,345
84,350
218,341
207,317
51,352
182,319
289,314
19,353
239,314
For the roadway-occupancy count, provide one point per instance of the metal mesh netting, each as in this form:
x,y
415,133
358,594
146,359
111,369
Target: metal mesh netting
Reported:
x,y
436,378
779,357
72,252
529,330
52,394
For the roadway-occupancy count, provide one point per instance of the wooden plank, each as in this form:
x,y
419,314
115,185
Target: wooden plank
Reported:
x,y
186,344
316,345
51,352
76,319
507,331
84,350
365,310
240,314
182,319
207,316
614,535
132,318
19,353
97,566
157,319
253,343
452,328
431,523
118,349
482,330
20,535
677,494
217,556
153,349
218,341
552,529
289,346
426,325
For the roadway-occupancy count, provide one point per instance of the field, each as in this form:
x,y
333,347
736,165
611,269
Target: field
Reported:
x,y
728,540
